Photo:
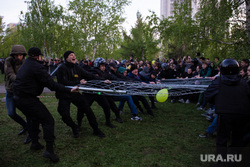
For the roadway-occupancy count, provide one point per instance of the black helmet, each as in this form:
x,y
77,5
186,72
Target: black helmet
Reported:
x,y
99,61
229,67
164,65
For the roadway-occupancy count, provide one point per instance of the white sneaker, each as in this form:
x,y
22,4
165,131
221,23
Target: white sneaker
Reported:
x,y
136,118
181,100
200,108
209,110
187,101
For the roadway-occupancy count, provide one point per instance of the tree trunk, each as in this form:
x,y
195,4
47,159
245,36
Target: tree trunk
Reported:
x,y
94,51
248,19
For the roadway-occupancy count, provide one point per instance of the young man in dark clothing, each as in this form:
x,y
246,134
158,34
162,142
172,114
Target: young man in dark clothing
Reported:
x,y
231,96
107,101
100,70
106,104
70,74
30,81
12,65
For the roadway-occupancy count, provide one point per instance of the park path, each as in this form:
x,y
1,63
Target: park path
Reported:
x,y
3,91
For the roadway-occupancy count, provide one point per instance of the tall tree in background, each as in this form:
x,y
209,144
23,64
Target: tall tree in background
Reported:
x,y
41,26
1,37
96,26
142,43
8,37
219,29
248,21
222,28
177,33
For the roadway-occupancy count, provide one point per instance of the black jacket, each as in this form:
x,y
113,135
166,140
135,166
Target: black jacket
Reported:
x,y
103,74
31,79
70,74
230,94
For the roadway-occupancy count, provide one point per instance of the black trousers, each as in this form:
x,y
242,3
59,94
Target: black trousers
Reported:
x,y
37,112
102,101
113,106
137,98
81,103
233,127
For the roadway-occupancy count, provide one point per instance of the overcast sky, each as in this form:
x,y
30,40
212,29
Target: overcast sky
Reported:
x,y
10,9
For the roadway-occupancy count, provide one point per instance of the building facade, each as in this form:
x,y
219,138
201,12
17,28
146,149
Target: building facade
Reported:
x,y
167,7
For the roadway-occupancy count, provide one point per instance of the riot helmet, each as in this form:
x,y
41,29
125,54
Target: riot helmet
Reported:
x,y
98,61
229,67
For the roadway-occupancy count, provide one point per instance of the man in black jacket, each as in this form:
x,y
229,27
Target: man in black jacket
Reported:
x,y
30,81
70,74
231,96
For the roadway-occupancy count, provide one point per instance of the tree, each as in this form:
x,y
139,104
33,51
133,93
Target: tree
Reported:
x,y
218,30
248,20
1,36
178,32
222,27
41,26
97,25
8,37
142,43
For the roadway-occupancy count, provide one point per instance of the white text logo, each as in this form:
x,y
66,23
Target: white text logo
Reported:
x,y
219,158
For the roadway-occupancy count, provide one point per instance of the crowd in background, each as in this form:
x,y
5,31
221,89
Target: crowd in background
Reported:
x,y
183,67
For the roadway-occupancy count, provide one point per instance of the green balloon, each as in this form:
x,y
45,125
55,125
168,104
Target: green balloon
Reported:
x,y
162,95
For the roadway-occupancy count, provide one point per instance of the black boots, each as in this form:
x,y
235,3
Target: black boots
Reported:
x,y
49,152
35,146
52,156
150,112
118,119
75,132
109,124
99,133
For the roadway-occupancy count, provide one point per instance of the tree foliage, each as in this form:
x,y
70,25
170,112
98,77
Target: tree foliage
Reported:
x,y
142,43
8,37
222,28
178,32
97,25
83,27
218,30
93,28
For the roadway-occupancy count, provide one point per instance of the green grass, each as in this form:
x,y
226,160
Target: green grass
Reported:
x,y
170,139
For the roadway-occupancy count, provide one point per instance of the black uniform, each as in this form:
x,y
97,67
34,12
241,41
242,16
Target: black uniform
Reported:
x,y
30,81
231,96
107,75
70,74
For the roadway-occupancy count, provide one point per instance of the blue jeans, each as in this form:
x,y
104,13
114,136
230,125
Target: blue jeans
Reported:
x,y
128,98
11,109
212,128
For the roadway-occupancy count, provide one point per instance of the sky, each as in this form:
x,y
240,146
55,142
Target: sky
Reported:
x,y
10,9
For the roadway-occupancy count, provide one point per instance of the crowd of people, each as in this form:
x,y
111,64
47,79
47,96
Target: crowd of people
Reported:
x,y
26,78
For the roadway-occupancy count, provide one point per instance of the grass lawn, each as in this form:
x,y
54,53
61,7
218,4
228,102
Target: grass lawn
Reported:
x,y
168,139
